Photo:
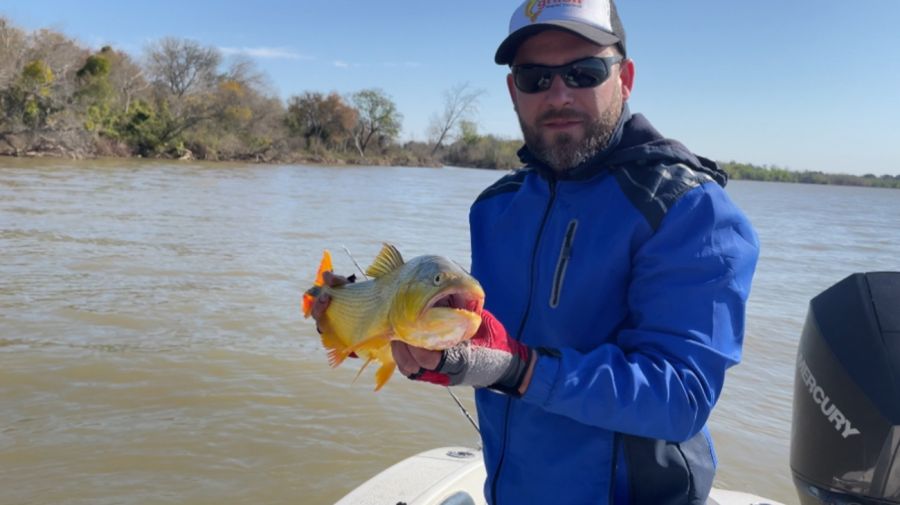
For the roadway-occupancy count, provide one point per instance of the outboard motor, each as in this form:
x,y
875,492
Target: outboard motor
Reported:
x,y
845,441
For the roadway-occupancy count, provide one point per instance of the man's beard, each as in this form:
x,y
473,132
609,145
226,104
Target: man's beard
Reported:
x,y
563,152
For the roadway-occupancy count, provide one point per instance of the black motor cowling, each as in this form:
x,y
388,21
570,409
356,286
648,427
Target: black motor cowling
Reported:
x,y
845,441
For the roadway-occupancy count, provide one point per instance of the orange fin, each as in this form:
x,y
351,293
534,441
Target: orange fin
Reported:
x,y
310,296
384,373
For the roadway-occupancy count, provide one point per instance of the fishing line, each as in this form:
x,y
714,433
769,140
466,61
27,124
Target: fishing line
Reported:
x,y
463,409
363,272
452,395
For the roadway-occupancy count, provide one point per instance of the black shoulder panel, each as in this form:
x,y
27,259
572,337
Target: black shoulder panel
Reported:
x,y
653,189
509,183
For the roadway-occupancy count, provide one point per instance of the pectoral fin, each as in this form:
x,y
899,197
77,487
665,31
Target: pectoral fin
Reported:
x,y
337,350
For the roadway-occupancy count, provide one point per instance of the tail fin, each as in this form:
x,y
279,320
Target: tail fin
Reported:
x,y
310,296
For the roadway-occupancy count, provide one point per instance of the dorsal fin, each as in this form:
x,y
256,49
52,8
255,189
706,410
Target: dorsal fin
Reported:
x,y
387,261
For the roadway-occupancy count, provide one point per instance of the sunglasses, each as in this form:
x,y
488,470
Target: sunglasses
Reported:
x,y
584,73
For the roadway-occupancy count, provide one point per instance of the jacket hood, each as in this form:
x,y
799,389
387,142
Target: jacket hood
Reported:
x,y
635,141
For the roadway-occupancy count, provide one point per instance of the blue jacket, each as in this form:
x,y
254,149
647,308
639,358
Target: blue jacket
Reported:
x,y
631,273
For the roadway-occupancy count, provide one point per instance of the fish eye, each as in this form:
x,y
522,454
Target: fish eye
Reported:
x,y
438,279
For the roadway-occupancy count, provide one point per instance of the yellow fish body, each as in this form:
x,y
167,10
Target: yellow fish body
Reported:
x,y
427,302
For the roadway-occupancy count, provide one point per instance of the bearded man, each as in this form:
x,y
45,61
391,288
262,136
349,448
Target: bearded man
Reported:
x,y
616,271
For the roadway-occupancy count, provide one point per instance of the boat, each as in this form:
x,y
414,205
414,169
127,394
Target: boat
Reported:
x,y
455,476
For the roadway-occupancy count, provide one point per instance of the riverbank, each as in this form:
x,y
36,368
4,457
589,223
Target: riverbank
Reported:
x,y
417,156
48,148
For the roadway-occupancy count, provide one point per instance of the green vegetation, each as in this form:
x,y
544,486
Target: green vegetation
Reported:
x,y
60,99
746,171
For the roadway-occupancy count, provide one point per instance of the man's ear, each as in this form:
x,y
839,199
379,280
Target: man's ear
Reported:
x,y
626,78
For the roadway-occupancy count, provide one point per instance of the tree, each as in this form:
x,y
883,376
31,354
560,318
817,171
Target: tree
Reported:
x,y
28,100
95,93
13,44
37,83
314,115
63,56
186,80
468,132
125,77
144,127
378,118
182,66
106,85
58,96
244,71
460,103
265,128
237,118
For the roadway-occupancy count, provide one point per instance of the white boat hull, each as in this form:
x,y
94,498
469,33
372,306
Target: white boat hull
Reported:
x,y
455,476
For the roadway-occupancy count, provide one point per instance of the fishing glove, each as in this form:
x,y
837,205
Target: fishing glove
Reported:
x,y
491,359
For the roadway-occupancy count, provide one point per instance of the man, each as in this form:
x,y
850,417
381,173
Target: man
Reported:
x,y
616,271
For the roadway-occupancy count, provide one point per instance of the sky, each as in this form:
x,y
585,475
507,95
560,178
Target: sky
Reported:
x,y
801,84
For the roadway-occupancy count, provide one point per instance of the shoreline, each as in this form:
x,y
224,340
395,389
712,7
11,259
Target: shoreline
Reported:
x,y
736,171
379,161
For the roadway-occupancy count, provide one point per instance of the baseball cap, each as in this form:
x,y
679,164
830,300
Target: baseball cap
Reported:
x,y
595,20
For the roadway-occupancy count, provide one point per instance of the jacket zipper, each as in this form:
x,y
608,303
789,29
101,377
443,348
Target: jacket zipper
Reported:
x,y
534,254
614,474
565,253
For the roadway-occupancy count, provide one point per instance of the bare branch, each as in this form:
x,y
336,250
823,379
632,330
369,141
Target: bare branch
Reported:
x,y
460,103
183,66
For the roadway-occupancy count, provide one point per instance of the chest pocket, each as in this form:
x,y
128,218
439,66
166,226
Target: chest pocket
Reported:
x,y
562,263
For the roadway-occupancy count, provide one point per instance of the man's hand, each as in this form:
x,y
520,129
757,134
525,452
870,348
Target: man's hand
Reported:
x,y
490,359
322,301
331,280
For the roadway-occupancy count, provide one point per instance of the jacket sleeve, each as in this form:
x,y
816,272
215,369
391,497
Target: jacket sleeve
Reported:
x,y
661,376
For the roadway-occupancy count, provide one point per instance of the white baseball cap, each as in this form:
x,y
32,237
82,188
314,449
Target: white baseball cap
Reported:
x,y
595,20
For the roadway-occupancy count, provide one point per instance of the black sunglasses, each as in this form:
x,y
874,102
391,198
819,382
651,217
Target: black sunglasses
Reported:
x,y
583,73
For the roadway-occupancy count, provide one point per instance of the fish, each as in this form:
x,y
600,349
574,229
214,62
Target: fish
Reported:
x,y
428,301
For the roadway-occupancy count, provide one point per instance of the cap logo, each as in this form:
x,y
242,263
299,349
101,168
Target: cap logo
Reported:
x,y
533,8
530,9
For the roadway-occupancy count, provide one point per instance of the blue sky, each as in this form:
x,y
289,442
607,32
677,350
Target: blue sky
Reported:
x,y
803,84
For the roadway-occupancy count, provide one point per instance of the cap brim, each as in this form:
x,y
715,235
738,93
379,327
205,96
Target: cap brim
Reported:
x,y
507,50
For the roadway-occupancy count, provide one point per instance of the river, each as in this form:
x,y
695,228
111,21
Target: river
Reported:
x,y
152,350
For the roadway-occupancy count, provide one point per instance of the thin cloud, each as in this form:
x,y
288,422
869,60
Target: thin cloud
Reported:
x,y
274,53
384,64
406,64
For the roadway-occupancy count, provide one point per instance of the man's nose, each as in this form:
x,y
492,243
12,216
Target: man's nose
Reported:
x,y
558,93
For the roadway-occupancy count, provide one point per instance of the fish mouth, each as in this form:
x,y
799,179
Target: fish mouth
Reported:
x,y
457,299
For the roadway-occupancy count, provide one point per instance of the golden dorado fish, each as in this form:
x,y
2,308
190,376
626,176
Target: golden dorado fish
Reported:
x,y
427,302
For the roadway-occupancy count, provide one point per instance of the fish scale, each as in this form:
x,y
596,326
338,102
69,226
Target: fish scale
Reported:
x,y
355,308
